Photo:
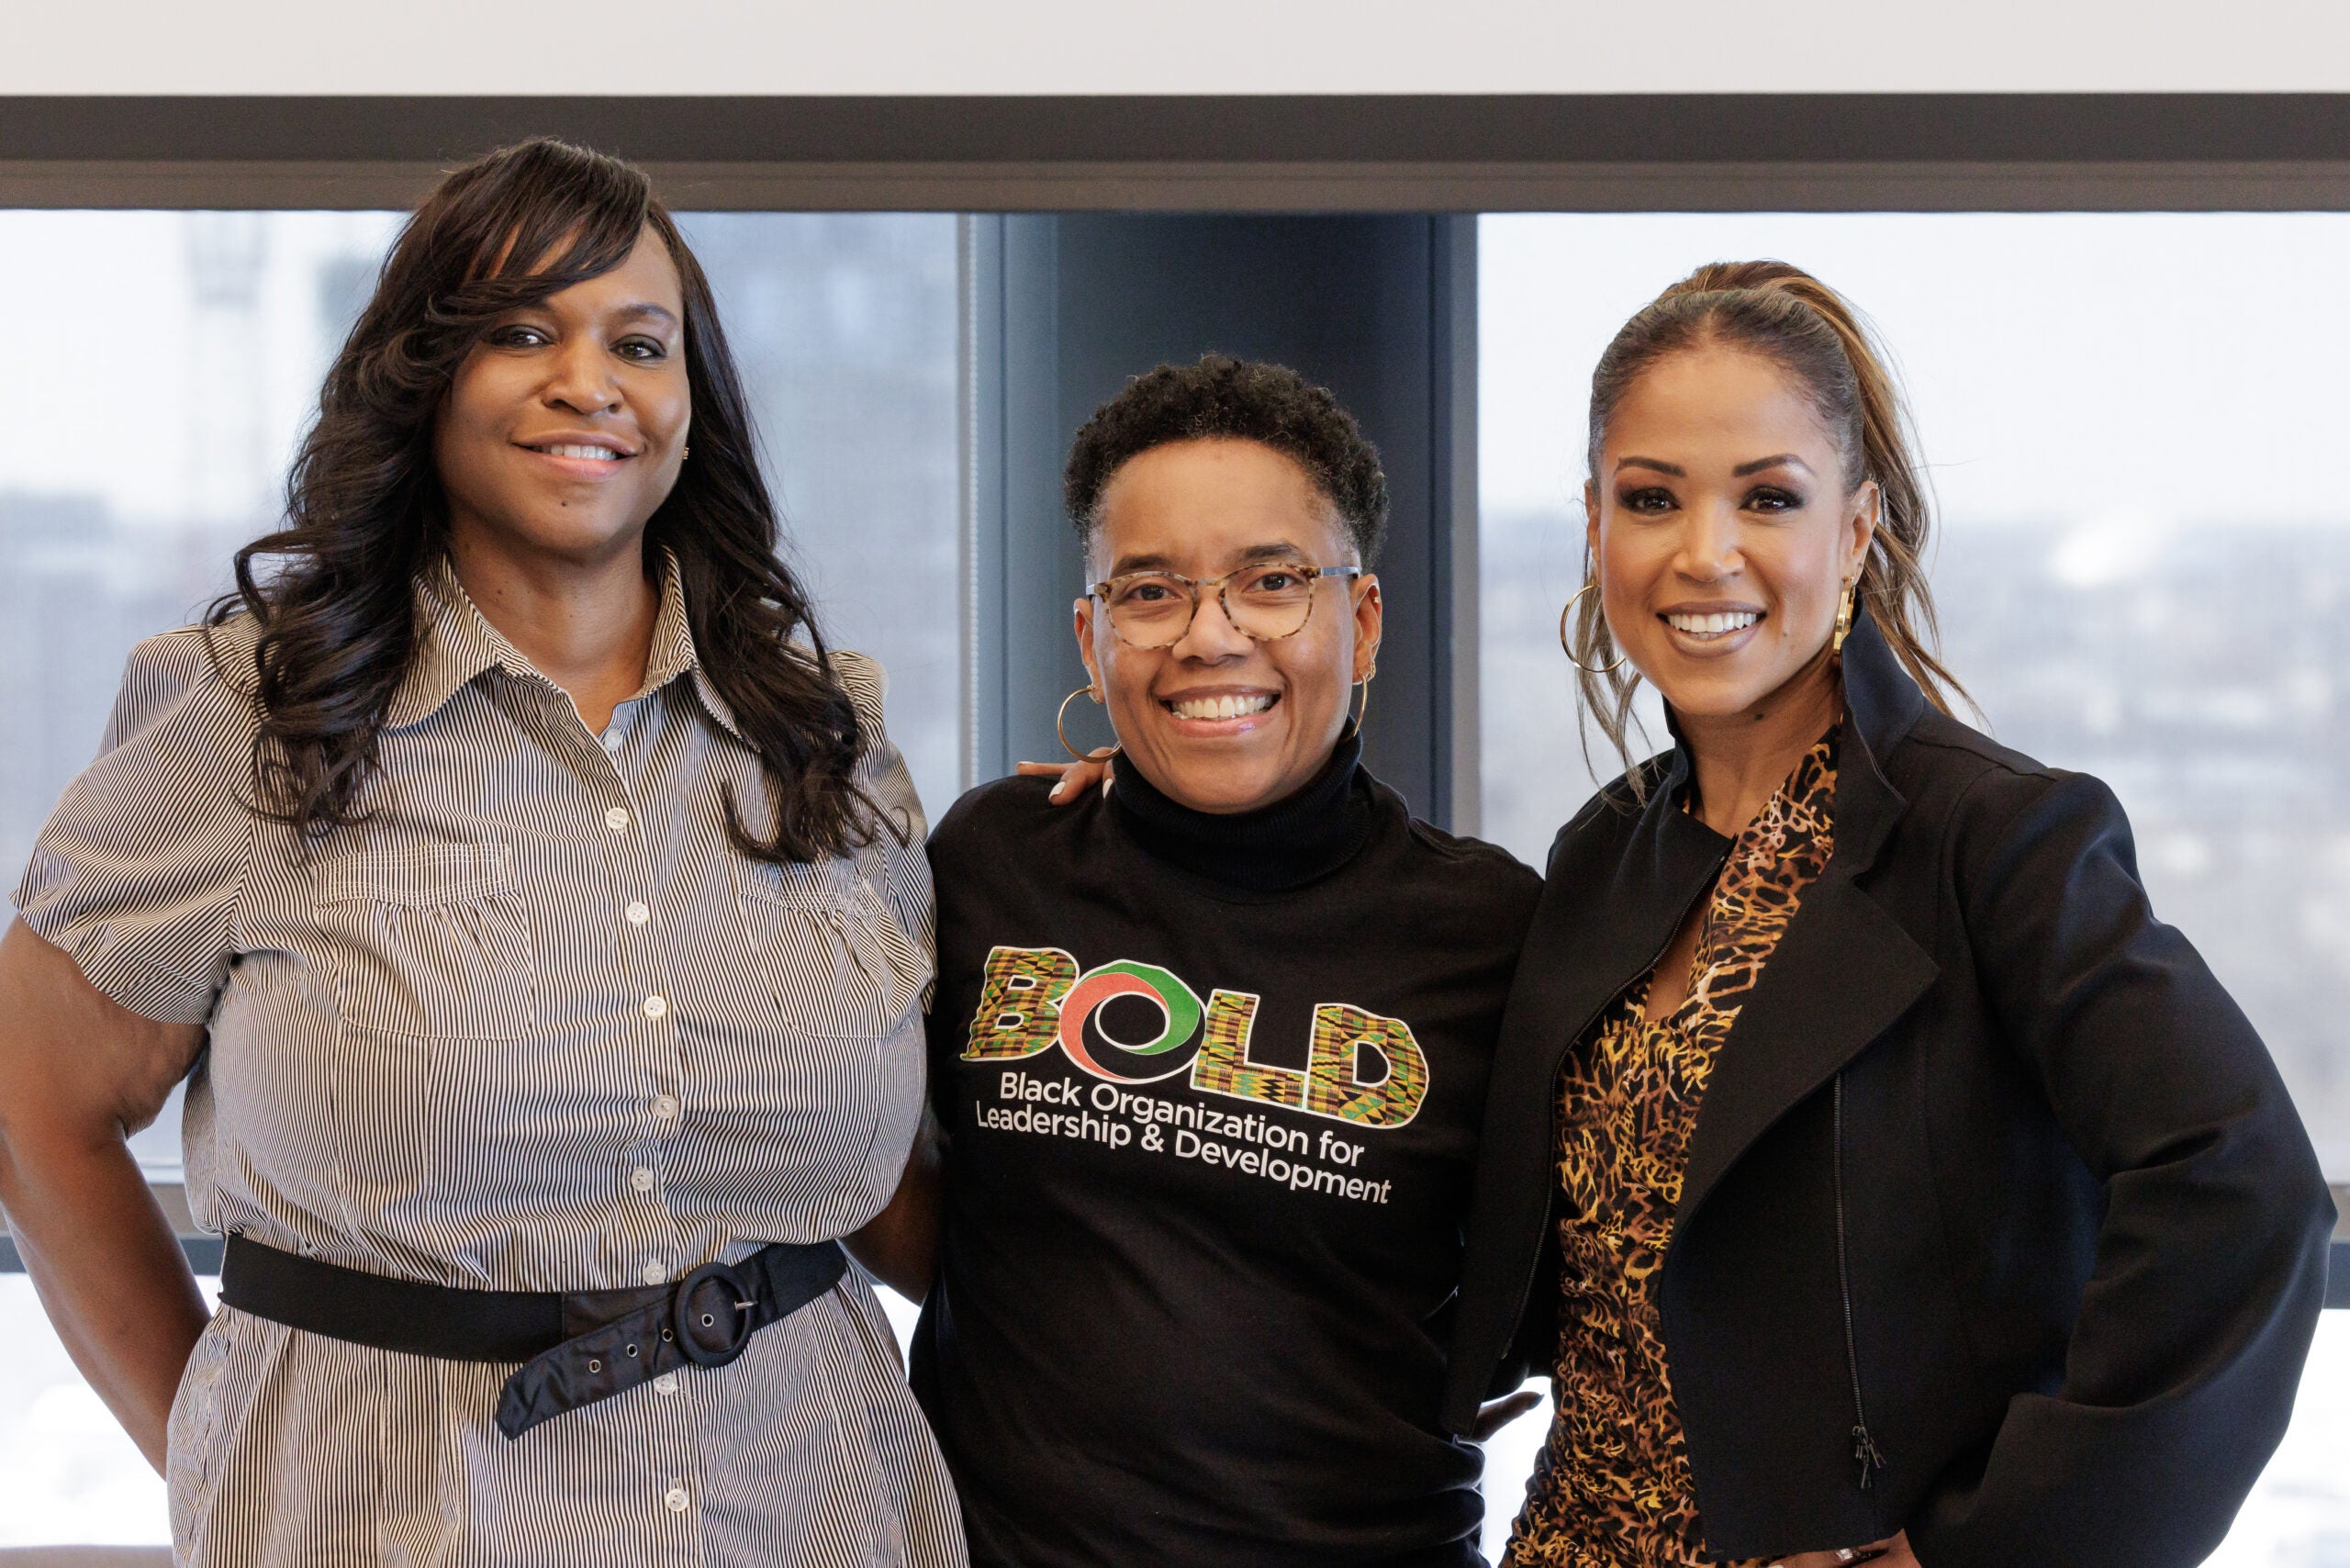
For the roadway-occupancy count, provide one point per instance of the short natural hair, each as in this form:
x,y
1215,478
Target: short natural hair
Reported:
x,y
1807,328
1221,397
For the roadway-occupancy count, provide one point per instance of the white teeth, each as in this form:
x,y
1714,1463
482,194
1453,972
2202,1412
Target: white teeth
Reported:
x,y
593,453
1712,625
1221,707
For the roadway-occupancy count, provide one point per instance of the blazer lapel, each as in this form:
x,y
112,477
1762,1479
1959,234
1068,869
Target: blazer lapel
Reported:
x,y
1845,969
1672,861
1842,974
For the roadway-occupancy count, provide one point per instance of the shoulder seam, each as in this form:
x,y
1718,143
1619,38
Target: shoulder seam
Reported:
x,y
1989,755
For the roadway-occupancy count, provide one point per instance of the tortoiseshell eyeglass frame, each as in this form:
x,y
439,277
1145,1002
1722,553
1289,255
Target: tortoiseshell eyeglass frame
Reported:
x,y
1197,585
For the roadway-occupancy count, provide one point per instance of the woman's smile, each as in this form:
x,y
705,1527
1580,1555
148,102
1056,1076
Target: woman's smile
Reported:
x,y
1711,631
1207,713
593,458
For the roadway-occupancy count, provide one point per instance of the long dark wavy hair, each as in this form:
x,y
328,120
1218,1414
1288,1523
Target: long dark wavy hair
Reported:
x,y
365,512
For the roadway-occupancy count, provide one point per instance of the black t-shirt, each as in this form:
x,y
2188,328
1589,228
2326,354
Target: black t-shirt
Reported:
x,y
1211,1088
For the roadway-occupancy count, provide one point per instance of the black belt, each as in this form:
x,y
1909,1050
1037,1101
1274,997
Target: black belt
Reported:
x,y
575,1348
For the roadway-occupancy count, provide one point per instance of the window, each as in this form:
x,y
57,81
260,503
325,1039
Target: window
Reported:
x,y
167,362
2142,568
2142,573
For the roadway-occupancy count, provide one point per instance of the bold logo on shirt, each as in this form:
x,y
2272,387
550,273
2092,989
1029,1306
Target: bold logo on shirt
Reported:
x,y
1033,999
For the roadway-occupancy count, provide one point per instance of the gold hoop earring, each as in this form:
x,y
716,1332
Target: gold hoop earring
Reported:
x,y
1060,723
1365,684
1844,616
1568,648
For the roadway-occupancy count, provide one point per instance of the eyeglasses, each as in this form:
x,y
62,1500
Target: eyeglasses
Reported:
x,y
1265,602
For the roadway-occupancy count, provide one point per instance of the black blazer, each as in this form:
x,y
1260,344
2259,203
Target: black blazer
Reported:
x,y
1989,1166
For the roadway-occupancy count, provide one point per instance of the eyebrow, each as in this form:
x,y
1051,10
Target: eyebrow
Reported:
x,y
1784,459
645,308
1249,557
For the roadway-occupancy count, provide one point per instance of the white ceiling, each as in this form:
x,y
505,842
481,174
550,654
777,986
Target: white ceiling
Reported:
x,y
1014,46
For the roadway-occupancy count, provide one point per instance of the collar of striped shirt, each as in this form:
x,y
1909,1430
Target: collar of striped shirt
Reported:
x,y
460,643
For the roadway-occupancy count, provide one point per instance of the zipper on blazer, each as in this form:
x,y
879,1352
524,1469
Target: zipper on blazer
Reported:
x,y
1864,1448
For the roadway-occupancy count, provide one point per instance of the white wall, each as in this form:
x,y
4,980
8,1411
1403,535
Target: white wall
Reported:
x,y
1198,46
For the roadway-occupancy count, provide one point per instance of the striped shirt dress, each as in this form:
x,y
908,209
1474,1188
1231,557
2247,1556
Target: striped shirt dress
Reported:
x,y
533,1025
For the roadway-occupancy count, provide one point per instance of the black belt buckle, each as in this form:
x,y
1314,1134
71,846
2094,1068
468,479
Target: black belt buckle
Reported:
x,y
714,1314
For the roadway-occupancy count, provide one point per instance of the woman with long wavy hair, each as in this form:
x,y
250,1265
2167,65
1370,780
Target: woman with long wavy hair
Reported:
x,y
539,918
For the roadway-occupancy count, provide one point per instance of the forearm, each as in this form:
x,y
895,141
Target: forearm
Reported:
x,y
108,1270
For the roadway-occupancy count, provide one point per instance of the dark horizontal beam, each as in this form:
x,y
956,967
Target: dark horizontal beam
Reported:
x,y
1252,188
1644,128
1664,152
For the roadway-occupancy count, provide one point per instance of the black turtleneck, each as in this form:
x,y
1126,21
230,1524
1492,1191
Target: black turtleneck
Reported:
x,y
1274,848
1211,1086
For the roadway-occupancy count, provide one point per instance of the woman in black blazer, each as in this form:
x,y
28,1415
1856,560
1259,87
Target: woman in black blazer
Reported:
x,y
1863,1159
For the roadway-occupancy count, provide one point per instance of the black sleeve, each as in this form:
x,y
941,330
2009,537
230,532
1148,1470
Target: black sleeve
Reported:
x,y
1534,1348
2210,1260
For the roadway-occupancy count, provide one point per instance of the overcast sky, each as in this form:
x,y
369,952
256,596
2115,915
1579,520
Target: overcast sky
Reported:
x,y
2126,367
103,379
2135,370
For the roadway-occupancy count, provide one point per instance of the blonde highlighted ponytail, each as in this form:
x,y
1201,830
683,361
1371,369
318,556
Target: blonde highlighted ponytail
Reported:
x,y
1790,317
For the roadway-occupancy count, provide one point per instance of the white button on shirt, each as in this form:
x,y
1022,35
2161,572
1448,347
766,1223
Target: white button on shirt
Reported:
x,y
643,1179
657,1007
638,913
677,1500
449,927
654,1274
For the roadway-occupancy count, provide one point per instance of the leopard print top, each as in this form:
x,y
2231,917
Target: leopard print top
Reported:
x,y
1612,1488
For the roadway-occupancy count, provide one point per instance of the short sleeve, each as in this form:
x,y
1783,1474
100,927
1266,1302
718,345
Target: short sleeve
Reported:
x,y
137,873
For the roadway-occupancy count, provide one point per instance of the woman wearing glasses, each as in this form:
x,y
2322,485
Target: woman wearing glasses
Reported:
x,y
1209,1046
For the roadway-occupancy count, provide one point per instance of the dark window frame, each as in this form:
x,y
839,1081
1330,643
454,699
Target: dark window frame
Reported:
x,y
1249,154
1932,152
